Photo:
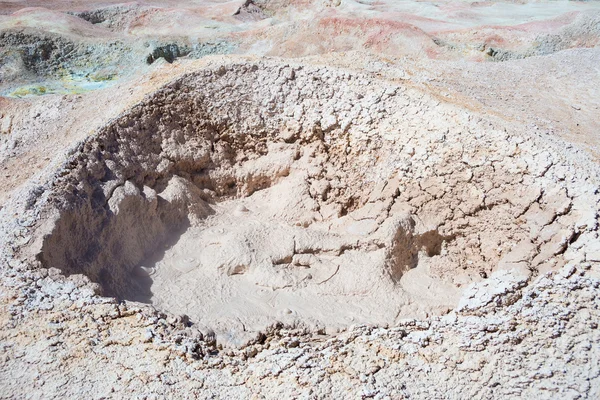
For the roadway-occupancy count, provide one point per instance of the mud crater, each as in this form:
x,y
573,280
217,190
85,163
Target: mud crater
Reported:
x,y
259,239
217,198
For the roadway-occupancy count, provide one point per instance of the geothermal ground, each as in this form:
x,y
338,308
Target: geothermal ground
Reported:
x,y
299,199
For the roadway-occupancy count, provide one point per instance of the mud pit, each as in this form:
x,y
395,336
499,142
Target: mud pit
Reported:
x,y
250,194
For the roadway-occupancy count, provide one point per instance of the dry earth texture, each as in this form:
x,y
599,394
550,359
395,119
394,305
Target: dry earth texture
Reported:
x,y
299,199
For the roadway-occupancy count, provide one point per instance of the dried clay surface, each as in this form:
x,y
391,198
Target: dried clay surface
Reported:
x,y
344,225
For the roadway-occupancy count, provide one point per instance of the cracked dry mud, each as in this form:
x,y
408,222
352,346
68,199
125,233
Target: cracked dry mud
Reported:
x,y
242,227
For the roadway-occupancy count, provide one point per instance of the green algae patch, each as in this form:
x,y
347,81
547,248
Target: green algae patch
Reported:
x,y
28,91
65,86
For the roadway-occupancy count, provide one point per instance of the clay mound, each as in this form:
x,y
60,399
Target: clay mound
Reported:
x,y
253,193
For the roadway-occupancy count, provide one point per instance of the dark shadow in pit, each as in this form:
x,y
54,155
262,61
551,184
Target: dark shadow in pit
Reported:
x,y
404,254
431,242
140,289
123,280
110,247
